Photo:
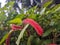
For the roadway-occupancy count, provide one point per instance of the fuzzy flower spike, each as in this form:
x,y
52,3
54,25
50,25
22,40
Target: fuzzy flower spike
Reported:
x,y
35,25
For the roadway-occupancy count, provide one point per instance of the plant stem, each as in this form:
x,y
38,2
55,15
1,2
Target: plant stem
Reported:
x,y
54,39
21,34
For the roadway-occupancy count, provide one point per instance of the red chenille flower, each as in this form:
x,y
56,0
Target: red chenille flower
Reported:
x,y
35,25
8,40
15,27
52,44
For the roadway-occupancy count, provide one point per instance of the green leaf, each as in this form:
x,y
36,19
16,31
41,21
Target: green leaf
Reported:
x,y
29,40
31,10
16,21
45,42
2,16
21,34
56,8
47,33
21,16
38,41
10,3
47,3
5,36
42,11
32,16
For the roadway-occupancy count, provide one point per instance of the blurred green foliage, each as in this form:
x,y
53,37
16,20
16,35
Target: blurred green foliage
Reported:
x,y
47,17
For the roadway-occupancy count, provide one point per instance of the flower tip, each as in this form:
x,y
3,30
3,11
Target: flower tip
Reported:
x,y
15,27
52,44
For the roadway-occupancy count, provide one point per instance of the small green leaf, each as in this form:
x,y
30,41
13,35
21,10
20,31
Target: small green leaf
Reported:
x,y
47,33
38,41
45,42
